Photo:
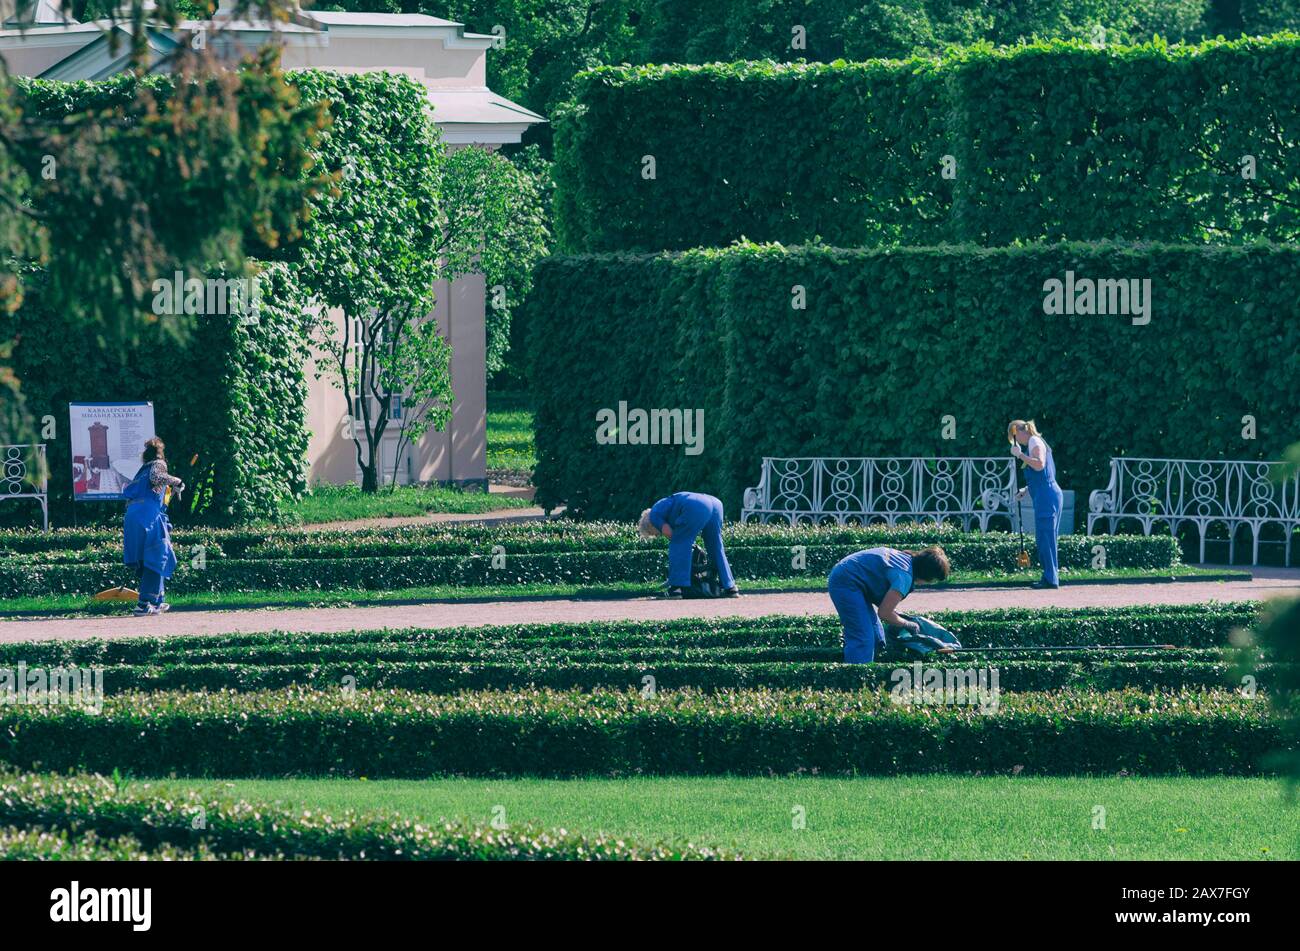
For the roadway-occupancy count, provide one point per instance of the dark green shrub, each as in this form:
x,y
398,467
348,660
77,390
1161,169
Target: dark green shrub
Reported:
x,y
90,809
682,732
1052,141
919,328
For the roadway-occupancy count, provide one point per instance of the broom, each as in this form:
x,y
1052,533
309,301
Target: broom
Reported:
x,y
1022,559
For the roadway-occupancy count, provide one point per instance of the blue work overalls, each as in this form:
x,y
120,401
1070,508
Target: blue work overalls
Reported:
x,y
146,536
1048,502
857,585
692,514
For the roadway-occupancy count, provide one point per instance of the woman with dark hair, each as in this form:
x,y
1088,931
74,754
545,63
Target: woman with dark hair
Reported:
x,y
866,588
146,533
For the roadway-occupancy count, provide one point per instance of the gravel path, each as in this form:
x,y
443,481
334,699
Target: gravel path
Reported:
x,y
1267,583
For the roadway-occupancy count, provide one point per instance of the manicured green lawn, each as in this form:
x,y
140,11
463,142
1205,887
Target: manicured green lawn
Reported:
x,y
924,817
343,503
510,432
71,604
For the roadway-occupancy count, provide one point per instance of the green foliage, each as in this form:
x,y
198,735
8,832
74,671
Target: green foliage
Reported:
x,y
370,260
86,817
133,178
579,672
1279,633
548,42
375,561
1055,141
227,390
1259,17
1194,629
494,222
38,845
890,342
393,733
705,654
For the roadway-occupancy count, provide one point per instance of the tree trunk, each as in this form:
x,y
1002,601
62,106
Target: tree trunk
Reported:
x,y
370,477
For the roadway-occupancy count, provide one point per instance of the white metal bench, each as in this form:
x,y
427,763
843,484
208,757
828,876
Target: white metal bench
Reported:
x,y
1201,492
824,490
23,475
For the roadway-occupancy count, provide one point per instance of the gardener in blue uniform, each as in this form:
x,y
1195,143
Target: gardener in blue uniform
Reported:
x,y
146,533
681,518
1040,473
866,588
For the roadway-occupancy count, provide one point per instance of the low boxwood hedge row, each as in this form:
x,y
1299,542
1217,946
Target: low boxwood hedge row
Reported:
x,y
394,733
40,845
557,535
1190,626
1098,671
534,538
162,819
390,572
358,655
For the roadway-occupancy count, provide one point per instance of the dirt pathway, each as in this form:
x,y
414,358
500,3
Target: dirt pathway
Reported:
x,y
1267,583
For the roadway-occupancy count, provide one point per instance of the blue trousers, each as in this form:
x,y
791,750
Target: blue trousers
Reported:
x,y
700,519
151,586
863,632
1047,526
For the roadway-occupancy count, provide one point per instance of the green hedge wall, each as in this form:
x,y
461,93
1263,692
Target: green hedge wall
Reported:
x,y
381,734
233,393
891,342
1052,141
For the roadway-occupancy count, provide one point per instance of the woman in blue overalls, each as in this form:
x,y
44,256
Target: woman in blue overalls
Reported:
x,y
146,533
1040,473
866,588
681,518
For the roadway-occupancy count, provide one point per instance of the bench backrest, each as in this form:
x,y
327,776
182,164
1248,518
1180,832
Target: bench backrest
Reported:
x,y
812,488
23,475
1199,489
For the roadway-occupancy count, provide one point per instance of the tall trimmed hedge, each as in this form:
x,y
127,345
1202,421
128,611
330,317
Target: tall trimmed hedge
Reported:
x,y
232,392
891,342
1052,141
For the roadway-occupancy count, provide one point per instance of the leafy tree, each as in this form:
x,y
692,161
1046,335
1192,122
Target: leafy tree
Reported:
x,y
494,220
187,171
370,259
406,214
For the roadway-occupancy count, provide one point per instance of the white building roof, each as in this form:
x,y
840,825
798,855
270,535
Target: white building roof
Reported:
x,y
396,20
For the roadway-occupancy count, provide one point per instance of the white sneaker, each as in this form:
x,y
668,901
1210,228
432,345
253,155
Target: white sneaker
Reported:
x,y
164,608
145,610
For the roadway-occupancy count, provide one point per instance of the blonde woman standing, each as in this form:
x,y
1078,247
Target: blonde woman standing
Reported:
x,y
1040,473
